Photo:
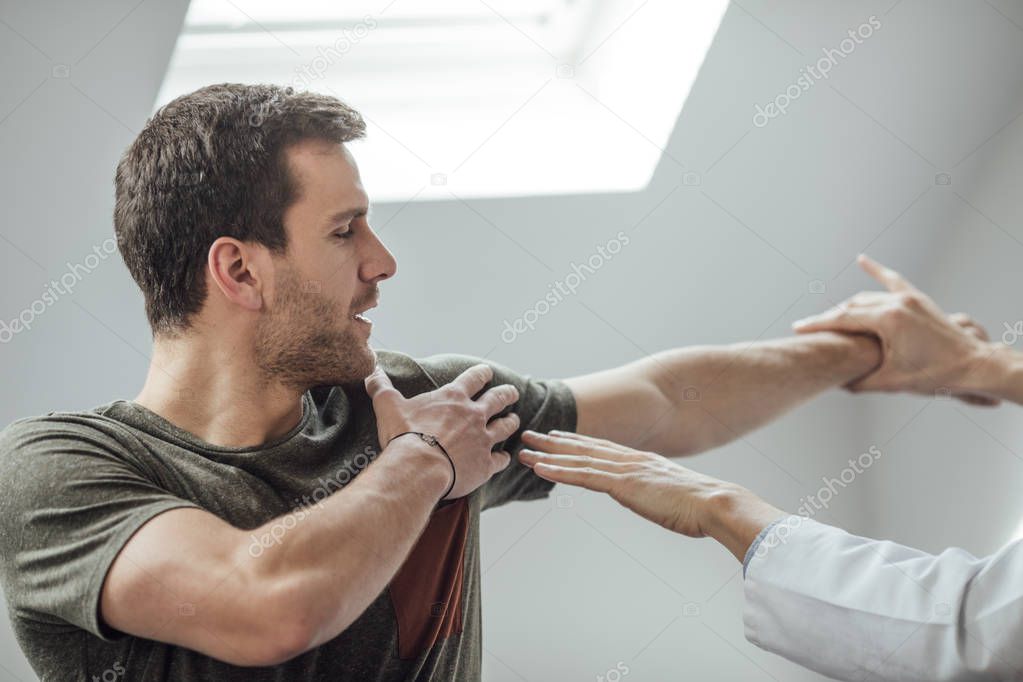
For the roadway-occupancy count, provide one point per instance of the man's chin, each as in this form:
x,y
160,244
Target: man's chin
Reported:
x,y
360,364
368,363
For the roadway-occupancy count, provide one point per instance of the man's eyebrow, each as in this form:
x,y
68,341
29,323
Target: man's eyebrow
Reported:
x,y
347,214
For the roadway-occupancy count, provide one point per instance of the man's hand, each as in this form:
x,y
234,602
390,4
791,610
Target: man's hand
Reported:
x,y
462,425
924,350
654,487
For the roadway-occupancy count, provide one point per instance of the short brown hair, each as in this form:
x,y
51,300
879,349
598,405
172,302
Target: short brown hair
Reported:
x,y
209,164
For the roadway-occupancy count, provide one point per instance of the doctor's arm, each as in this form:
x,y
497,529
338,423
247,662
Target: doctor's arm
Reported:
x,y
849,607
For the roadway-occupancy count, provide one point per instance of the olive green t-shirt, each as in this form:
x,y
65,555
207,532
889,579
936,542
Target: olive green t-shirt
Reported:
x,y
77,485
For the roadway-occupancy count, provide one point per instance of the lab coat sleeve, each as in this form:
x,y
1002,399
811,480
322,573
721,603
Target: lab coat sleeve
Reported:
x,y
854,608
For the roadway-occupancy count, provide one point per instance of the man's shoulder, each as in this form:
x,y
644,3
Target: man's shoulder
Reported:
x,y
91,426
417,375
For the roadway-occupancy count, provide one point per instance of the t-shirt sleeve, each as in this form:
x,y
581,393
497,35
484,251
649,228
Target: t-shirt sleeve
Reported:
x,y
543,405
72,492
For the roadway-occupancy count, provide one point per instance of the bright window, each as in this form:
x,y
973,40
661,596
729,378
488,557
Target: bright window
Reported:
x,y
471,97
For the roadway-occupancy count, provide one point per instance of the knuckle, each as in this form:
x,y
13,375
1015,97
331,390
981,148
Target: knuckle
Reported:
x,y
893,314
909,299
500,394
389,394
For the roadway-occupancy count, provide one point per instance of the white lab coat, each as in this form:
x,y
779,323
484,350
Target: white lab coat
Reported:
x,y
859,609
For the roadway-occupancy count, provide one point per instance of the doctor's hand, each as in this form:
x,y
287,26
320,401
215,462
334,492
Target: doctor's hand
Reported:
x,y
659,490
923,350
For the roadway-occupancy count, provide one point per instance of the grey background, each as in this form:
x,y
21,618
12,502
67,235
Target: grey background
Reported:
x,y
574,586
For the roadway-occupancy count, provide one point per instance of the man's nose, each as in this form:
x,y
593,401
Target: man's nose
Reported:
x,y
378,262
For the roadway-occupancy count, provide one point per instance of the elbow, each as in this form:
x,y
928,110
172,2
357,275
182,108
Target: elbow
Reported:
x,y
287,627
272,624
275,643
286,643
295,619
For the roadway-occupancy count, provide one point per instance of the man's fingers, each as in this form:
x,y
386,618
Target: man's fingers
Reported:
x,y
379,387
503,427
892,280
501,460
498,398
591,479
472,380
582,445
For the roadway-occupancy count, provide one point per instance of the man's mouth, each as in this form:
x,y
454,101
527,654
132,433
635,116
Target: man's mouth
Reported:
x,y
360,317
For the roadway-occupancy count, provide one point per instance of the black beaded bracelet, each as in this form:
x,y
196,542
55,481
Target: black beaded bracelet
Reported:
x,y
432,441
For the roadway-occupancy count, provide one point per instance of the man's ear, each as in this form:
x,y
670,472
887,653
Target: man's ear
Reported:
x,y
240,271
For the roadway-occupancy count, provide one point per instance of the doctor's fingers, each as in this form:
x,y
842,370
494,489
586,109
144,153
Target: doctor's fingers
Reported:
x,y
866,319
579,445
533,457
892,280
585,477
970,325
602,442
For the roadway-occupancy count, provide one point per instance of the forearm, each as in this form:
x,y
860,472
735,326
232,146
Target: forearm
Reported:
x,y
688,400
333,562
997,371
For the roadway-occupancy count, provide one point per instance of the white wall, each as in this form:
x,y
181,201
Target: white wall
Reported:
x,y
571,589
60,138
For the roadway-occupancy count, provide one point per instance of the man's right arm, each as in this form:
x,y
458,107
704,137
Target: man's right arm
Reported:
x,y
188,578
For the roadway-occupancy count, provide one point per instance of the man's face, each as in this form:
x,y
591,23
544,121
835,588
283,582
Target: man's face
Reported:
x,y
312,333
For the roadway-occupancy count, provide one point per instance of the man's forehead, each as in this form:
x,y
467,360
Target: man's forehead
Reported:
x,y
325,172
328,186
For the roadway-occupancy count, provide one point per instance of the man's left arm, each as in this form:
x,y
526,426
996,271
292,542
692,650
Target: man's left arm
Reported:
x,y
683,401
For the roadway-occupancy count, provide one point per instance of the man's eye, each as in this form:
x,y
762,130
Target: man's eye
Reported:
x,y
345,234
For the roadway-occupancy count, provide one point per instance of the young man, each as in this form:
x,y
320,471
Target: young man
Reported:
x,y
257,512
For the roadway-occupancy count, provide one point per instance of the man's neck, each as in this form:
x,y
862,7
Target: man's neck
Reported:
x,y
218,393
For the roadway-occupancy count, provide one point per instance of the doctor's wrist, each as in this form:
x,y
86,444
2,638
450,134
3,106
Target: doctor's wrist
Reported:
x,y
996,371
734,517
